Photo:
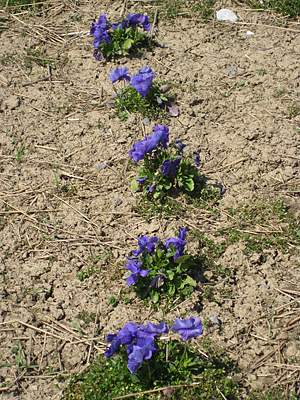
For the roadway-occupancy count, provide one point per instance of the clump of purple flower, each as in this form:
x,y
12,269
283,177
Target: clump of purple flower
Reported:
x,y
155,264
140,340
146,146
142,81
120,38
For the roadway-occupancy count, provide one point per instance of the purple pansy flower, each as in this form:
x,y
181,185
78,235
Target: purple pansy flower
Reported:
x,y
179,243
188,328
129,333
125,336
141,180
118,74
151,330
143,350
180,145
135,268
142,81
113,347
99,30
144,242
161,134
123,26
138,20
97,55
196,157
99,35
150,188
141,148
169,167
100,24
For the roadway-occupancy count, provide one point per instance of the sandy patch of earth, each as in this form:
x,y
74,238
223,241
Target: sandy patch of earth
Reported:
x,y
64,236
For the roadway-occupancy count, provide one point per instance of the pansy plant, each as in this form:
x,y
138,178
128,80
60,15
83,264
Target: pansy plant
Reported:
x,y
164,167
112,40
144,347
160,269
141,95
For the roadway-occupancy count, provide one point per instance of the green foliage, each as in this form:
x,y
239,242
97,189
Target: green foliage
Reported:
x,y
110,378
148,207
38,56
124,41
19,151
284,7
277,393
261,213
205,7
14,3
20,360
293,110
157,184
168,277
128,100
113,301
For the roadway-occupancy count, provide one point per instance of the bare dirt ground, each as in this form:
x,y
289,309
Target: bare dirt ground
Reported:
x,y
66,214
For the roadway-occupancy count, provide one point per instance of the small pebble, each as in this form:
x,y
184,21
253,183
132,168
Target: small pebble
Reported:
x,y
94,102
118,202
146,121
249,33
101,165
231,71
95,91
263,48
203,115
226,15
245,319
165,88
264,287
215,320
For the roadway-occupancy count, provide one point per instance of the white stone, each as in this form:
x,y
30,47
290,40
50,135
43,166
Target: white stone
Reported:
x,y
226,15
249,33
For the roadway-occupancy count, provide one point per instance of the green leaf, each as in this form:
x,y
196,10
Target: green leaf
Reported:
x,y
163,98
188,281
171,290
168,185
170,274
155,297
127,44
182,259
134,185
187,182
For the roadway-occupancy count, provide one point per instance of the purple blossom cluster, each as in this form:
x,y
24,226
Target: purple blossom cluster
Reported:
x,y
100,28
141,81
135,266
140,340
146,146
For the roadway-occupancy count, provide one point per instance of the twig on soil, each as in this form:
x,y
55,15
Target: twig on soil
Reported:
x,y
38,80
156,390
76,151
280,291
225,166
3,389
192,225
163,64
262,360
267,26
154,21
78,212
42,355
